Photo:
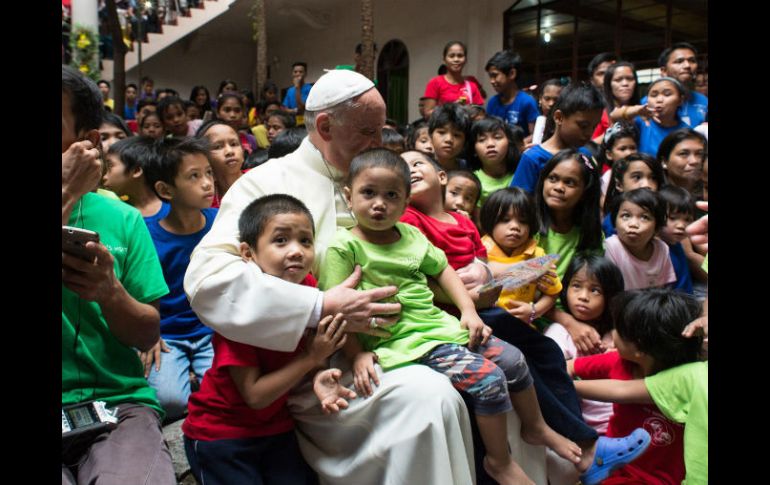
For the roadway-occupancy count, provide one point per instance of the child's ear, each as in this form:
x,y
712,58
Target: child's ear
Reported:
x,y
137,173
347,194
164,190
442,178
558,117
246,252
512,74
618,186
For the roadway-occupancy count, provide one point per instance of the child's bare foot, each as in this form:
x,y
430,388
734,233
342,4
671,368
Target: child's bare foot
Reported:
x,y
544,435
509,473
589,451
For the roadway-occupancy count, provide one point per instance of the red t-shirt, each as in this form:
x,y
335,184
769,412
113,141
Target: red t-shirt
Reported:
x,y
604,123
460,242
217,410
442,91
663,462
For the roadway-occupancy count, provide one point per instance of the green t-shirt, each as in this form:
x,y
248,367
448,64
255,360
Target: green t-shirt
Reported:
x,y
491,184
682,394
404,264
97,365
564,245
705,265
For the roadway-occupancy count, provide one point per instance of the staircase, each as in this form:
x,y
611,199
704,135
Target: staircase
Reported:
x,y
198,16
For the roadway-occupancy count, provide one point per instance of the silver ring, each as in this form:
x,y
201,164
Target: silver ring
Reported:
x,y
373,322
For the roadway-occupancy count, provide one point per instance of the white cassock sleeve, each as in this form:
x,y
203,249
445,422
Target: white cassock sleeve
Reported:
x,y
236,298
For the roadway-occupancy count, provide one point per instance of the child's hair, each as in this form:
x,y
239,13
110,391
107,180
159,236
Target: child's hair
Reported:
x,y
683,92
148,116
413,133
599,59
300,63
653,320
608,85
675,138
288,119
504,61
224,83
551,82
619,169
476,110
137,151
677,200
608,275
287,141
586,213
170,152
268,86
453,43
169,91
256,158
581,96
458,173
116,121
616,131
256,215
491,124
132,85
663,58
501,201
646,199
224,97
145,102
392,137
85,99
428,157
194,93
205,127
166,103
380,158
450,113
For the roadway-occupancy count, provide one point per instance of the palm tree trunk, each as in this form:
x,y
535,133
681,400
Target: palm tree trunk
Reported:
x,y
260,35
119,58
367,39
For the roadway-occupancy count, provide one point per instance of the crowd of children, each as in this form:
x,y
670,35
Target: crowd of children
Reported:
x,y
457,187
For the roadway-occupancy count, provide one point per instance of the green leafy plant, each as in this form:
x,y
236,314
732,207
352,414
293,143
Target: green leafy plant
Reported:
x,y
84,43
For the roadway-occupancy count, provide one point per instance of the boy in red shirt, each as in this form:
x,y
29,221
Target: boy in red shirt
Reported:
x,y
239,429
648,338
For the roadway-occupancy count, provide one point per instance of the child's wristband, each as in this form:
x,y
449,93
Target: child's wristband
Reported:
x,y
532,315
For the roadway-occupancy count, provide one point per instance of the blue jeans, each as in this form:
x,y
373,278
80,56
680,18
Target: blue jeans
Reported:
x,y
556,393
264,460
172,382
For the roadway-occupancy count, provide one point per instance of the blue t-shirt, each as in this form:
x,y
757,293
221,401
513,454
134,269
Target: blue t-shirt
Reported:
x,y
165,208
608,226
289,100
693,111
651,136
129,112
522,111
177,319
681,268
531,164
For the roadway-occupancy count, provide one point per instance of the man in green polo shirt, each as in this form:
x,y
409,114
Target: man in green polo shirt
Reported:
x,y
109,307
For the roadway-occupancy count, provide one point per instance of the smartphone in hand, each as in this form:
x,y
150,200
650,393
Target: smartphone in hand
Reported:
x,y
74,239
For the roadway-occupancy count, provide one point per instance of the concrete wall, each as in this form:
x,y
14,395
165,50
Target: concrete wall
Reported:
x,y
210,55
424,27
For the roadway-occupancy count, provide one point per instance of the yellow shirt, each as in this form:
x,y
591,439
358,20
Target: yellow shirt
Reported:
x,y
260,133
524,293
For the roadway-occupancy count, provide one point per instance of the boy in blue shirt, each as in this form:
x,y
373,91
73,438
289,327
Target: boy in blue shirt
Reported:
x,y
513,106
180,174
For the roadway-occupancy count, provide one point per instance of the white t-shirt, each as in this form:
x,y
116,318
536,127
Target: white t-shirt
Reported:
x,y
638,274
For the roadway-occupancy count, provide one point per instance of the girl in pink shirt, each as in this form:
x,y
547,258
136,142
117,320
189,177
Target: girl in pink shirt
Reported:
x,y
643,259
